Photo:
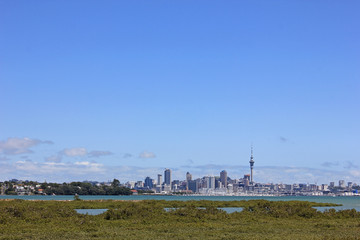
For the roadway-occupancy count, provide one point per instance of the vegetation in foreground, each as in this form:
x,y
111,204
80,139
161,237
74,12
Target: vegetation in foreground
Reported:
x,y
260,219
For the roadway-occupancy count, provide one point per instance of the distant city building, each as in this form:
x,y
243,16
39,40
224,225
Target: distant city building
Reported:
x,y
167,188
246,180
218,183
193,185
139,184
332,184
188,177
209,182
223,178
148,183
159,181
342,184
167,177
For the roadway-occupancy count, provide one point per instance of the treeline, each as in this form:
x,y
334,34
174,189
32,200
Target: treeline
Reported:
x,y
84,188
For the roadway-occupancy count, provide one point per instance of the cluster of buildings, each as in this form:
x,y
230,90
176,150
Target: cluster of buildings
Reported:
x,y
224,185
19,187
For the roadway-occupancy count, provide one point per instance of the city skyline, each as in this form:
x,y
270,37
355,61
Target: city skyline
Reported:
x,y
221,185
246,171
96,91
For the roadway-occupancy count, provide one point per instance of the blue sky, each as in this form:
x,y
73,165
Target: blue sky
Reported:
x,y
97,90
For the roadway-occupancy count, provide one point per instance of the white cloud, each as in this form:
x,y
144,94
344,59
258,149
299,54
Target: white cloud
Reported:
x,y
99,153
54,158
146,154
73,152
14,146
355,173
76,152
88,164
55,170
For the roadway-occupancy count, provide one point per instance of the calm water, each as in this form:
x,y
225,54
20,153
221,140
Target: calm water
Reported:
x,y
100,211
91,211
347,202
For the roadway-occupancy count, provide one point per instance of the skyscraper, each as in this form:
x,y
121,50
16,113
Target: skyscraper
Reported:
x,y
159,179
223,178
342,184
193,186
251,165
188,177
209,182
167,176
148,183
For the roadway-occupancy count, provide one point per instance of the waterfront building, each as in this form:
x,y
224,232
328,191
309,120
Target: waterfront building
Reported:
x,y
210,182
342,184
188,177
218,183
167,177
313,187
167,188
193,185
148,183
159,181
289,187
223,178
139,184
246,180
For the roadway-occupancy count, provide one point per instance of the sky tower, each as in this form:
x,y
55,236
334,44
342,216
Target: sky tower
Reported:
x,y
251,165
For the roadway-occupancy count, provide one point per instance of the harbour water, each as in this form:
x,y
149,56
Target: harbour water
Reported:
x,y
346,201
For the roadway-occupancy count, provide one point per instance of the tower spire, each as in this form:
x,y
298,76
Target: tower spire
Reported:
x,y
251,164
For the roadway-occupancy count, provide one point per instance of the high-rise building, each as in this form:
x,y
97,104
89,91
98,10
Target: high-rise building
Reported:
x,y
212,182
193,186
167,177
251,165
342,184
188,177
159,181
223,178
218,183
148,183
209,182
139,184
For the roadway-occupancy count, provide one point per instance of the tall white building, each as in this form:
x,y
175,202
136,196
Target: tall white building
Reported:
x,y
159,180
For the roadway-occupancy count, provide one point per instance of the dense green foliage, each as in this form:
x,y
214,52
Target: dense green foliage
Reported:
x,y
79,188
21,219
84,188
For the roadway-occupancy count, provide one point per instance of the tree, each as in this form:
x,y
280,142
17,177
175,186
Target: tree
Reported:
x,y
115,183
